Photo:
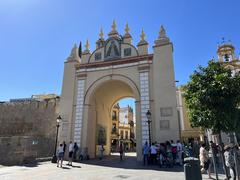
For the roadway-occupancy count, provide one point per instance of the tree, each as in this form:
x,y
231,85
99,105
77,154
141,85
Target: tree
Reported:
x,y
212,97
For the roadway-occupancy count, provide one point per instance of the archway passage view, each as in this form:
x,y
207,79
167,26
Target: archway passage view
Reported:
x,y
109,123
123,126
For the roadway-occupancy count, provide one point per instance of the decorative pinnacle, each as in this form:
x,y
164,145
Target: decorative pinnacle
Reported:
x,y
87,46
101,34
162,33
114,26
127,29
142,35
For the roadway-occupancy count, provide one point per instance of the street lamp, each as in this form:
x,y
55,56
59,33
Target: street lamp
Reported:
x,y
148,114
54,158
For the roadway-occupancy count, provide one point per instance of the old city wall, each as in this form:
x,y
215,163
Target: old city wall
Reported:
x,y
27,130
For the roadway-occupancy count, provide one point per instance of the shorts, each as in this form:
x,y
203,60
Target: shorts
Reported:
x,y
70,154
60,155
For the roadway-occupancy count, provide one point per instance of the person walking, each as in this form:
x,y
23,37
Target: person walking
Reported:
x,y
121,151
70,153
101,150
60,154
153,155
179,152
75,149
204,160
146,150
229,159
64,148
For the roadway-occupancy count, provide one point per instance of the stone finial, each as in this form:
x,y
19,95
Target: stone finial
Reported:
x,y
142,36
162,32
114,26
87,45
101,34
127,38
162,37
127,29
74,54
113,32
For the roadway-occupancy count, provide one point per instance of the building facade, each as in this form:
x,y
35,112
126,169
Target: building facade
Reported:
x,y
187,133
94,81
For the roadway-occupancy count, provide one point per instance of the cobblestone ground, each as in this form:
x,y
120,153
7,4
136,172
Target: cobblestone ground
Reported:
x,y
108,168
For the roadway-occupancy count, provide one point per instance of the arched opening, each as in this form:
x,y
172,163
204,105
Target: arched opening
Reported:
x,y
124,126
101,99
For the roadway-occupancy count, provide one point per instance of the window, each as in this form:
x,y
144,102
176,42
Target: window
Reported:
x,y
121,134
126,134
127,52
114,115
98,56
114,128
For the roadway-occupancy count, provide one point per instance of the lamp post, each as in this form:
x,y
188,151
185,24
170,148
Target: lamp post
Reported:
x,y
148,114
54,158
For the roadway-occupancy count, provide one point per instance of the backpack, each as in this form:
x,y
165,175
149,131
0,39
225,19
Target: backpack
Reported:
x,y
174,149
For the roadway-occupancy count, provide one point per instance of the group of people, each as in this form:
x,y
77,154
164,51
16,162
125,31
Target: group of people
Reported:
x,y
208,154
72,150
168,153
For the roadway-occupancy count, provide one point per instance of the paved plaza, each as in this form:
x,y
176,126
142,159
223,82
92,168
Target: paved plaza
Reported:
x,y
108,168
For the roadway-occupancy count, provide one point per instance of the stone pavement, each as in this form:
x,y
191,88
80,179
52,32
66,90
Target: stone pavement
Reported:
x,y
108,168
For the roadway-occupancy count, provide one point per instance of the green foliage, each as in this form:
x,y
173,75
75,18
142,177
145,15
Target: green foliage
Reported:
x,y
212,96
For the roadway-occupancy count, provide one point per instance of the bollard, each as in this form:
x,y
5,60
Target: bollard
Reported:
x,y
192,169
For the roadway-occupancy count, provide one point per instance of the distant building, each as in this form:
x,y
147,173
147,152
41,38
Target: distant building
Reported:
x,y
123,128
229,59
127,127
226,56
28,128
187,133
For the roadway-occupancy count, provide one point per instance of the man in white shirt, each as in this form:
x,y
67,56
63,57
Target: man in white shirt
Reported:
x,y
153,155
179,152
70,153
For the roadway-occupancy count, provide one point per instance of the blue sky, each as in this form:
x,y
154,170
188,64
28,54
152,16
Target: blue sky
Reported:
x,y
36,36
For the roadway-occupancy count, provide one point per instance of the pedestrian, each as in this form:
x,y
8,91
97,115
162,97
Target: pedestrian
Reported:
x,y
204,160
70,153
174,151
229,159
195,148
60,154
179,152
153,154
101,150
64,148
75,149
121,151
146,150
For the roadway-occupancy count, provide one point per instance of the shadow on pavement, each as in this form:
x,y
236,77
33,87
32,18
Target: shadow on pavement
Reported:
x,y
128,163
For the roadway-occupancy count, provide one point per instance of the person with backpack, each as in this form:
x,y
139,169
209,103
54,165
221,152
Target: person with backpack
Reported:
x,y
174,151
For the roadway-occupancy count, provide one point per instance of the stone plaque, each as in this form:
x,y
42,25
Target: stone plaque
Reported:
x,y
164,124
166,111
